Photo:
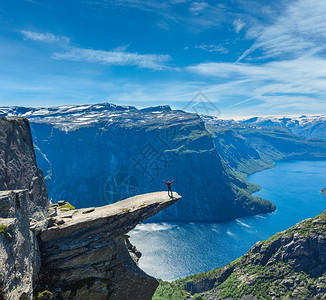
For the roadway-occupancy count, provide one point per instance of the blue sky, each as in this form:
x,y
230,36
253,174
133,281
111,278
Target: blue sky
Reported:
x,y
248,57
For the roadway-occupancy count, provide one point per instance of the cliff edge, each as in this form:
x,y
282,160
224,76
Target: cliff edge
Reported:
x,y
86,254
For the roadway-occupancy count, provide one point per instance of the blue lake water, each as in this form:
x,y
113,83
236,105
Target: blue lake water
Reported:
x,y
174,250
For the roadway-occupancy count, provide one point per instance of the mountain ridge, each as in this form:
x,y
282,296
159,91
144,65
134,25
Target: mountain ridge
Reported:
x,y
289,265
99,155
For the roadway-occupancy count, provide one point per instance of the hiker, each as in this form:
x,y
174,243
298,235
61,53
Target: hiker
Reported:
x,y
169,187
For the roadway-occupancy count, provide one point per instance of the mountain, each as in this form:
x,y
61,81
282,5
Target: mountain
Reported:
x,y
248,147
311,127
289,265
100,154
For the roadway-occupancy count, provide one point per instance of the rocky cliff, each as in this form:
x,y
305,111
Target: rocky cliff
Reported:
x,y
103,153
23,205
289,265
18,167
57,252
20,259
86,254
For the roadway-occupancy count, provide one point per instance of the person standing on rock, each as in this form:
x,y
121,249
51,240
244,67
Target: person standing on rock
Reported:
x,y
169,187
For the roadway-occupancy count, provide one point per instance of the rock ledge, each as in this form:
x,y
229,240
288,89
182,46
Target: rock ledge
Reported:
x,y
86,255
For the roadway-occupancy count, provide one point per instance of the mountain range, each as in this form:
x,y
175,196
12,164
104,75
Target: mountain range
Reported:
x,y
99,154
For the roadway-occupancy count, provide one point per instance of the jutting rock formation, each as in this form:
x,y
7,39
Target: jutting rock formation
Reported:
x,y
56,251
86,254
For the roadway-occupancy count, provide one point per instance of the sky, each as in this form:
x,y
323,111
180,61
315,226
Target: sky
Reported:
x,y
244,57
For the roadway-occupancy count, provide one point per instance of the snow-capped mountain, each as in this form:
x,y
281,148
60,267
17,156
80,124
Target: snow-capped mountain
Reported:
x,y
309,126
98,154
73,116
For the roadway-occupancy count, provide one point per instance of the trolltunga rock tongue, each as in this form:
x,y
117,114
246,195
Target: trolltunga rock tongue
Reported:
x,y
86,255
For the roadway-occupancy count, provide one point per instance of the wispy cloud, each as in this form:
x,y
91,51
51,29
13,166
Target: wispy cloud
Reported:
x,y
193,15
44,37
196,7
296,83
238,25
116,58
301,69
300,28
212,48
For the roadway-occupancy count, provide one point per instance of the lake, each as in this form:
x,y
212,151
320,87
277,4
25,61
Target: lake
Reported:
x,y
174,250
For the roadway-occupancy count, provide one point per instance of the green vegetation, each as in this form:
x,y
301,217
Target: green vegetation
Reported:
x,y
169,291
252,205
66,207
44,294
125,210
199,297
3,228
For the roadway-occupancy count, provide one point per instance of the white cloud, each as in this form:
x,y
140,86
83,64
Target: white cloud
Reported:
x,y
296,70
298,84
44,37
196,7
238,25
301,28
116,57
211,48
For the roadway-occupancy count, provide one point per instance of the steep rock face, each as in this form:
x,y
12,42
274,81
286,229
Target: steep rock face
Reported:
x,y
289,265
86,254
236,150
102,156
19,256
18,167
23,204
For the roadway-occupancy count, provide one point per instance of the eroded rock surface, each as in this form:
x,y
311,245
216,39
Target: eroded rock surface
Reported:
x,y
19,170
86,254
19,257
23,204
